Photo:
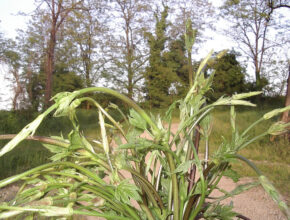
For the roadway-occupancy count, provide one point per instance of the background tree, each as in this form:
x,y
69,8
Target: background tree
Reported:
x,y
9,56
159,76
32,44
175,59
56,12
273,5
85,31
285,115
229,76
201,13
126,48
250,22
65,80
34,47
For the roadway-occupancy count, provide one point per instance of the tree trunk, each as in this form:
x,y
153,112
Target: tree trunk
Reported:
x,y
58,16
129,62
17,90
285,115
258,80
257,69
50,65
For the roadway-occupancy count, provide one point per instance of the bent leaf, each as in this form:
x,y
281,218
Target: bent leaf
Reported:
x,y
137,120
275,112
126,191
184,167
270,189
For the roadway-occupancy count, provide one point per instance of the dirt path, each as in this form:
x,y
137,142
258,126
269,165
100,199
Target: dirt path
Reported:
x,y
254,204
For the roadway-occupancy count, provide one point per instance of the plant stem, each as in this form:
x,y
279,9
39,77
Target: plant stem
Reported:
x,y
149,186
124,98
203,185
147,211
251,126
193,168
46,140
252,140
12,179
206,152
105,113
174,186
251,164
207,108
116,206
189,206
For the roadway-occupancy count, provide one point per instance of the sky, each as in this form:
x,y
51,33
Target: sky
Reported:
x,y
9,9
11,21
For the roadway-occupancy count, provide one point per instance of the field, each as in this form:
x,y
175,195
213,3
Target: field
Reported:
x,y
272,157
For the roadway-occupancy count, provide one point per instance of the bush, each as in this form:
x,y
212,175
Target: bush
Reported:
x,y
91,177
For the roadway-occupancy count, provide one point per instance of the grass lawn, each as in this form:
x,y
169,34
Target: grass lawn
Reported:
x,y
271,157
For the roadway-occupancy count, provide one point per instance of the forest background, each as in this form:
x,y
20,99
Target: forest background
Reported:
x,y
138,48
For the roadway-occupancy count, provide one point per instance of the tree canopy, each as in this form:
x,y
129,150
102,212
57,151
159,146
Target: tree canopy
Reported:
x,y
143,49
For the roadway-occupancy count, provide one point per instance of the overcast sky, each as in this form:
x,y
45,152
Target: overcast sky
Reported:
x,y
10,21
8,15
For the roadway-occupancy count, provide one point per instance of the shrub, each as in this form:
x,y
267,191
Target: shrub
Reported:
x,y
91,177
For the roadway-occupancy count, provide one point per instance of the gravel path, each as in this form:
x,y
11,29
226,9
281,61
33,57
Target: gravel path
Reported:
x,y
254,203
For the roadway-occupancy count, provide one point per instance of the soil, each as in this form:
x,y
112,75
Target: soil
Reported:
x,y
254,204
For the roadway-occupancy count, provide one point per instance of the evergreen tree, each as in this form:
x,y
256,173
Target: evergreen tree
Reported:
x,y
229,76
65,80
176,60
158,74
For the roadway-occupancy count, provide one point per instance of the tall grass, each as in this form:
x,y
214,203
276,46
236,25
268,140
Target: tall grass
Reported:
x,y
262,149
31,153
271,156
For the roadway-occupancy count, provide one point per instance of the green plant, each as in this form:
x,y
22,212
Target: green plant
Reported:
x,y
90,177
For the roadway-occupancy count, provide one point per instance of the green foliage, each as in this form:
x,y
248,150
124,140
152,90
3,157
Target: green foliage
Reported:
x,y
221,212
12,122
125,191
84,171
65,80
167,75
159,75
229,76
26,156
136,120
175,60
